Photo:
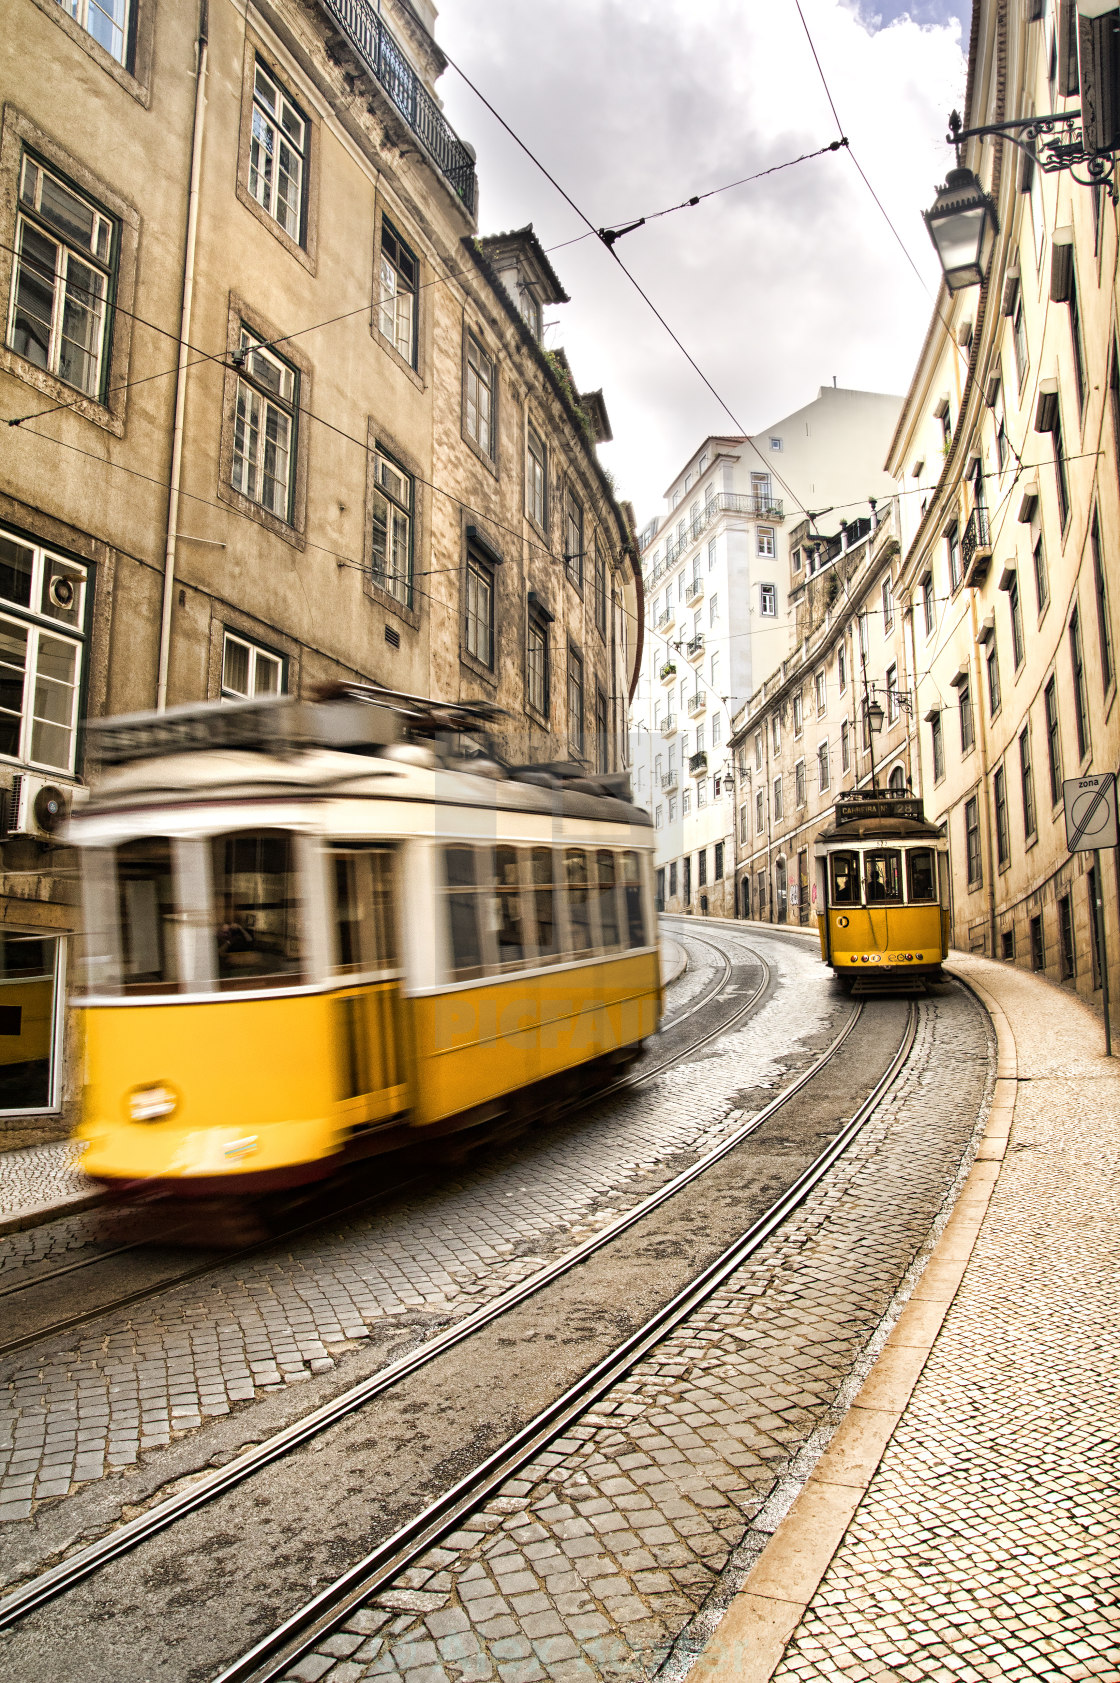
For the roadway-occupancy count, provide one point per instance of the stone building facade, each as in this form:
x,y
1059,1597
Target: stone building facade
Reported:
x,y
1009,448
282,418
804,735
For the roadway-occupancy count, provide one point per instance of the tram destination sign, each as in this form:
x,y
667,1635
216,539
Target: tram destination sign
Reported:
x,y
1090,804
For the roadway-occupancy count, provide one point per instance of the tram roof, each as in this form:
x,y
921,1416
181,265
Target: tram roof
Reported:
x,y
879,814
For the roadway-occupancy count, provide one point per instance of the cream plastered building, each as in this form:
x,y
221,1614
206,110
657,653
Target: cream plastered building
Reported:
x,y
722,578
283,419
1008,451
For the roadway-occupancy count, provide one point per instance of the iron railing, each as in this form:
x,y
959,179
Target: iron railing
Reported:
x,y
384,58
697,703
669,779
698,764
694,648
694,590
977,536
669,724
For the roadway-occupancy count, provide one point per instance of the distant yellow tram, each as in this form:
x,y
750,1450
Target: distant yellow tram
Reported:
x,y
322,930
881,891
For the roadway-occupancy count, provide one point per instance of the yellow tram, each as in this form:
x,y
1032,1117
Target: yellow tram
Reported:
x,y
321,930
881,891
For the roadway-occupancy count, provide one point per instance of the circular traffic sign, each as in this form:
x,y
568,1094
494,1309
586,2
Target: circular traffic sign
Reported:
x,y
1090,815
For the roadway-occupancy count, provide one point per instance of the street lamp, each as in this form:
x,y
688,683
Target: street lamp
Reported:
x,y
875,715
962,225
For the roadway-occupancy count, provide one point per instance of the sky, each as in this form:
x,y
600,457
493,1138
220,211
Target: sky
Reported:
x,y
774,287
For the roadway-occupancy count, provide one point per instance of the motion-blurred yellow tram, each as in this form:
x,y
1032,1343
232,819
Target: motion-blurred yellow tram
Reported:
x,y
881,891
321,930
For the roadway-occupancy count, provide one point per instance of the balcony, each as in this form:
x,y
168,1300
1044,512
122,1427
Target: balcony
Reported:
x,y
669,725
697,704
668,672
385,61
698,764
976,547
694,591
694,648
669,781
666,618
672,550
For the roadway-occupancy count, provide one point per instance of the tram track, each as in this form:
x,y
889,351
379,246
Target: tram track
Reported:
x,y
291,1641
167,1282
70,1571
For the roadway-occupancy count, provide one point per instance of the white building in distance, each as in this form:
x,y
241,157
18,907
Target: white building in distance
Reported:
x,y
718,570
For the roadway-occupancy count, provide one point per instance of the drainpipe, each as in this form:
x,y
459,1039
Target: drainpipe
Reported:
x,y
184,353
976,664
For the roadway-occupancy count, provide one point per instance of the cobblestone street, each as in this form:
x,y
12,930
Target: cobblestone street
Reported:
x,y
593,1562
83,1404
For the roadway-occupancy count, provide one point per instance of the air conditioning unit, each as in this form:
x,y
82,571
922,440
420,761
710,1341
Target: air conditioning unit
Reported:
x,y
35,806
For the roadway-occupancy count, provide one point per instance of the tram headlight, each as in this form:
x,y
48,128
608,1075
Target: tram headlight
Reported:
x,y
153,1103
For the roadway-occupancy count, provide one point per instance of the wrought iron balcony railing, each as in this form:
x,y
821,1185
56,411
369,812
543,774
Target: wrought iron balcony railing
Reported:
x,y
697,704
669,725
976,547
698,764
668,672
669,779
694,590
694,648
387,62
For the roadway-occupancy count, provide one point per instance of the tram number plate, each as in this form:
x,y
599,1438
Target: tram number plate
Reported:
x,y
1090,804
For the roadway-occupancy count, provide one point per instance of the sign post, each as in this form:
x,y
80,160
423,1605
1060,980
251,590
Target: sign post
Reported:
x,y
1090,804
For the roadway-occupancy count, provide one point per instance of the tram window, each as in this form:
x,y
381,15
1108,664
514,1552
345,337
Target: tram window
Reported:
x,y
256,899
510,921
883,876
921,875
466,871
845,879
363,909
544,902
146,899
580,937
608,901
632,894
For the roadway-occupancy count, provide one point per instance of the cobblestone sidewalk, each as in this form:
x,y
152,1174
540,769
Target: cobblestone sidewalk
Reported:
x,y
987,1544
87,1402
590,1563
40,1174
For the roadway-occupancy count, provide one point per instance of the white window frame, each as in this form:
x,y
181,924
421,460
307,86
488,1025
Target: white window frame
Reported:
x,y
397,306
259,659
480,611
63,621
536,480
98,259
267,397
765,541
768,601
393,501
821,684
479,382
536,666
824,766
108,21
278,153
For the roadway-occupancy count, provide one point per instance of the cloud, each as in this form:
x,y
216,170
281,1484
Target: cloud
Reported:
x,y
775,287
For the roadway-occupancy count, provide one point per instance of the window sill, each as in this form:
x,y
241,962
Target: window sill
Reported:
x,y
68,397
396,358
476,450
136,86
1030,841
536,717
244,505
391,604
473,664
294,249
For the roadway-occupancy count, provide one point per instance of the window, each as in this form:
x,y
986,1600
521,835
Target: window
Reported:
x,y
41,653
921,875
470,908
713,608
760,892
573,539
946,419
1079,369
967,730
760,812
62,281
892,695
1104,629
659,817
264,433
530,309
842,668
1003,448
844,874
391,528
937,744
1041,577
972,842
400,288
928,607
1038,949
775,444
1026,778
1080,698
1067,962
744,825
702,868
717,729
888,606
536,481
1003,835
365,937
768,600
799,783
777,799
1053,741
845,747
765,540
1019,337
712,546
717,862
1060,472
106,20
479,405
633,901
248,670
702,792
575,703
537,665
602,733
797,713
758,750
776,731
993,678
257,904
821,692
480,610
953,545
823,769
686,803
277,154
1018,643
600,591
882,874
672,878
